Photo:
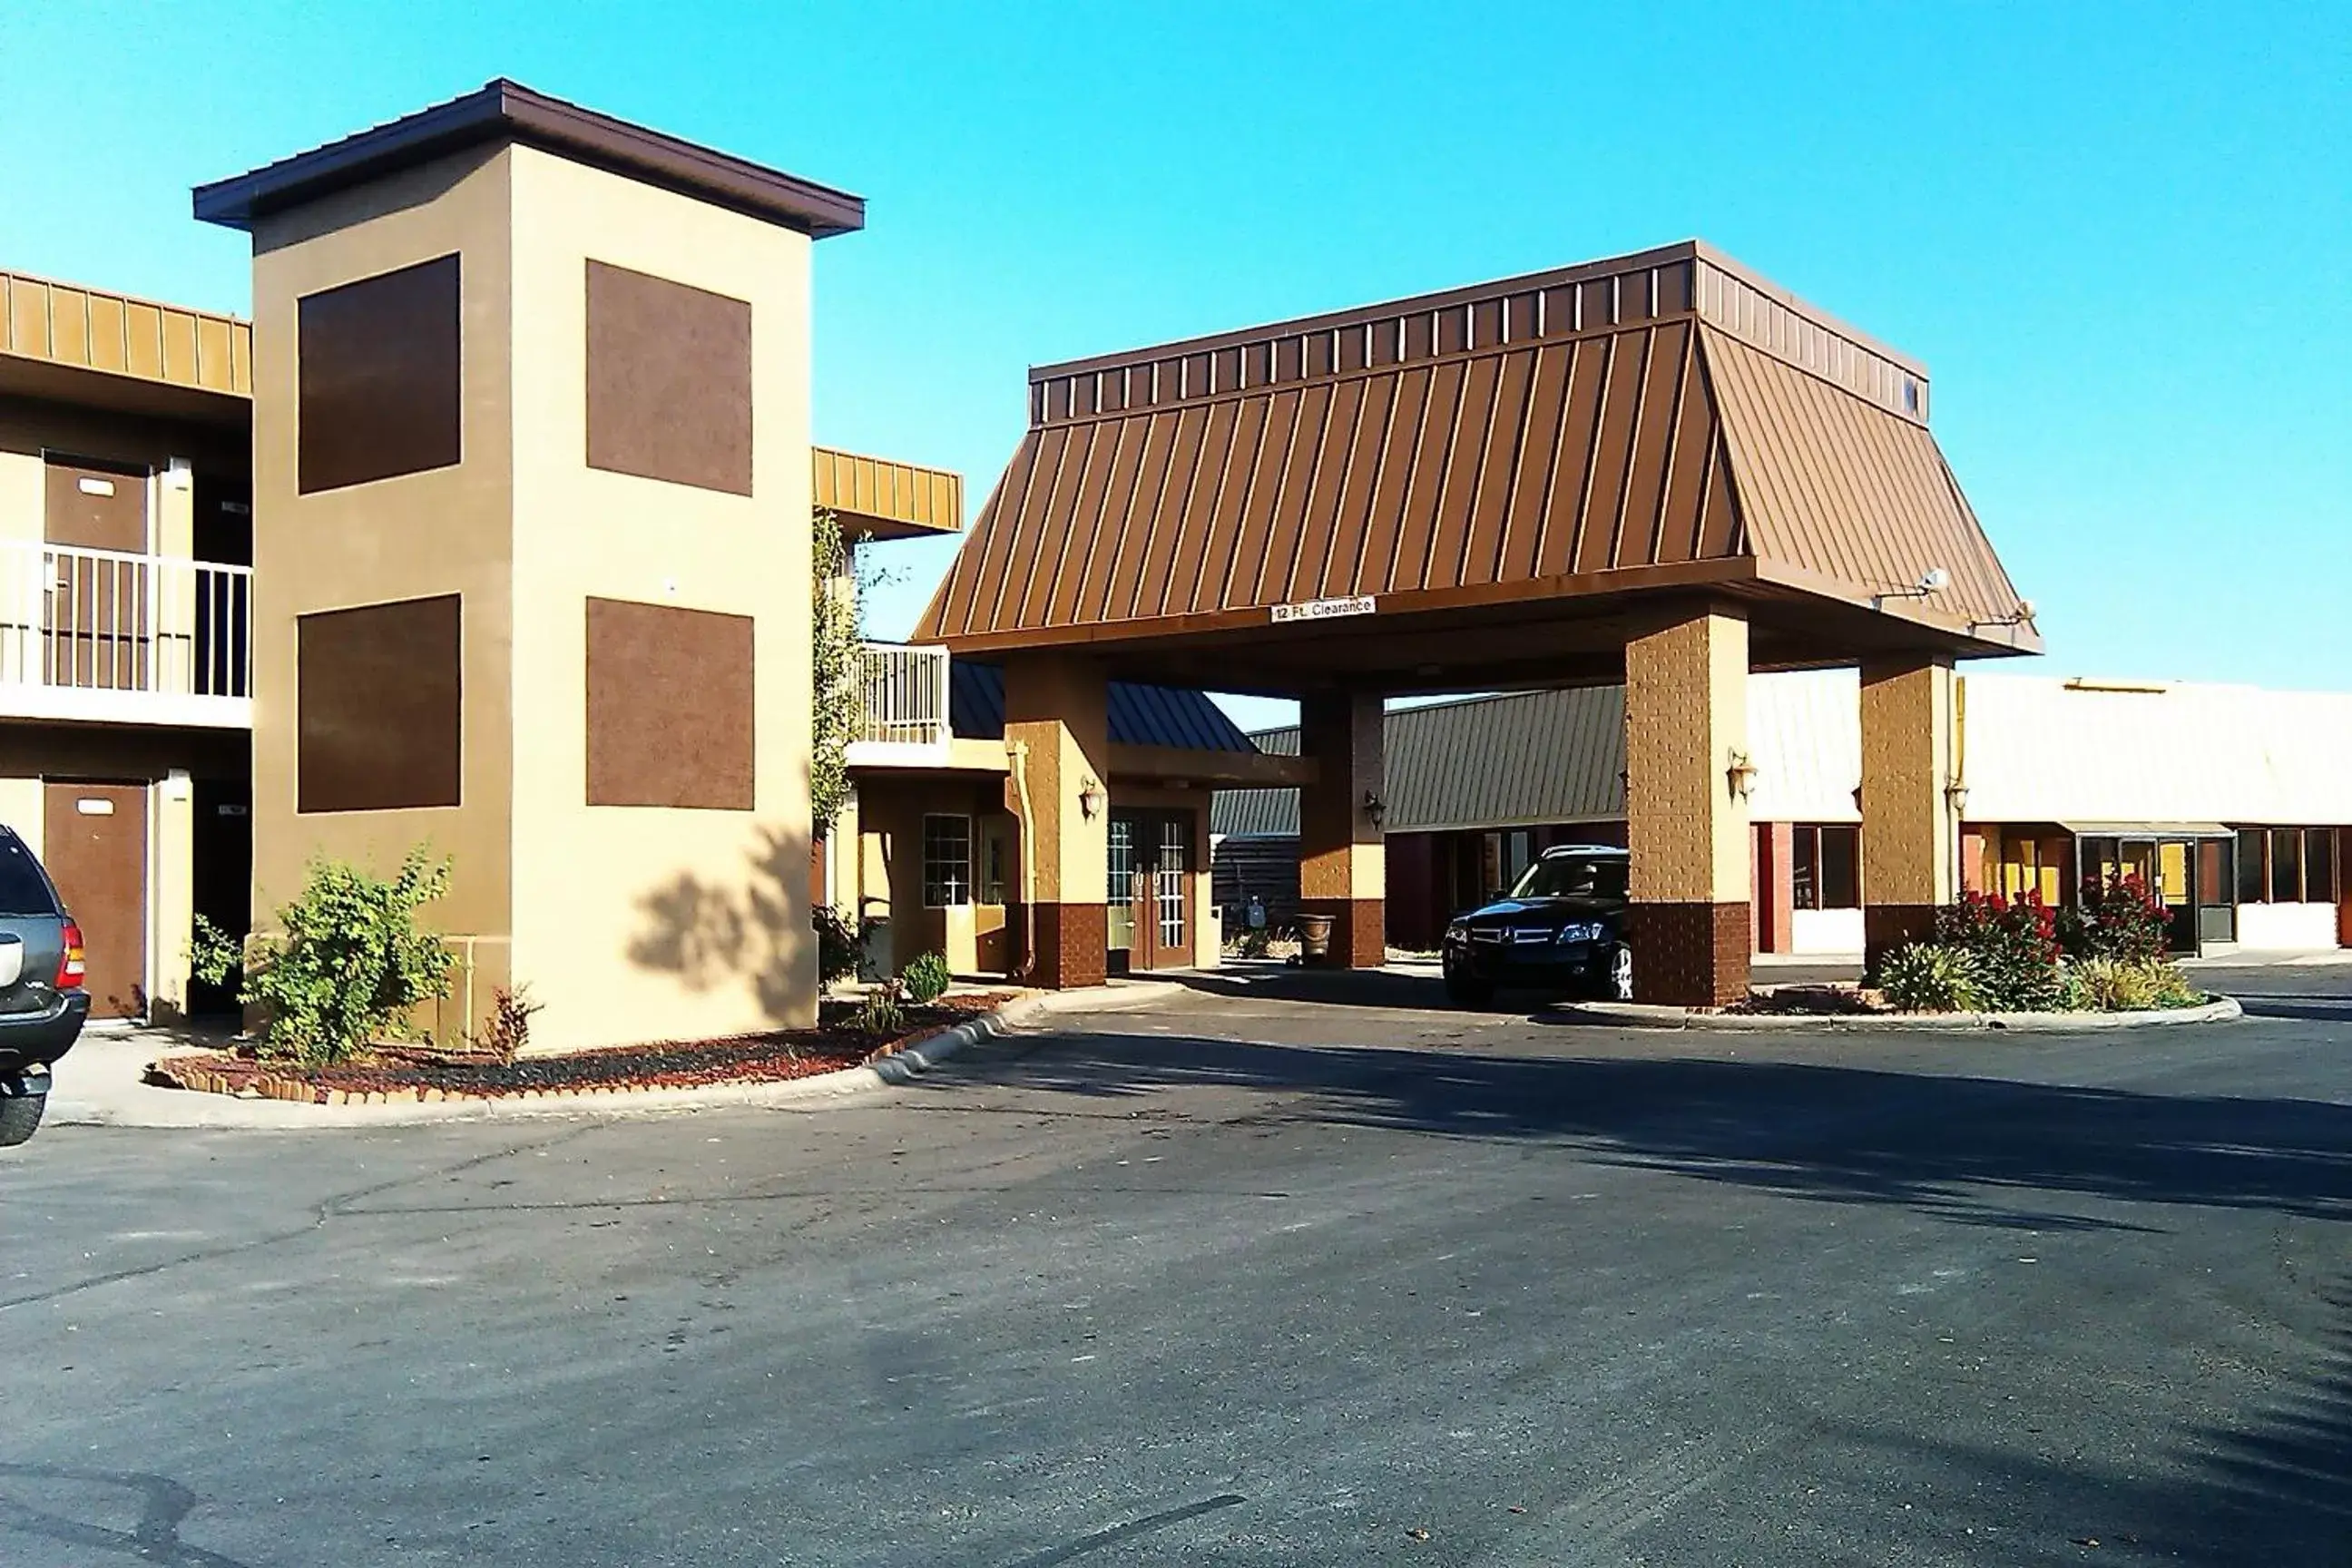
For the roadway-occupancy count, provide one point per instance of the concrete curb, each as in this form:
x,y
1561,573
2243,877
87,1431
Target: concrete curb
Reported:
x,y
1644,1016
135,1104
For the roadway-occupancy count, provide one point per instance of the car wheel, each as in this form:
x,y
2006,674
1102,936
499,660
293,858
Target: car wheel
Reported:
x,y
1463,990
1619,986
20,1115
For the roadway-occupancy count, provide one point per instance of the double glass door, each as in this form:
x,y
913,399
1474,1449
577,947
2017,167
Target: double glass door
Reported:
x,y
1150,900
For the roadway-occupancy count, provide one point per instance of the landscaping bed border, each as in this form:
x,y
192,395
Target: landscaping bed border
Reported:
x,y
1643,1014
248,1079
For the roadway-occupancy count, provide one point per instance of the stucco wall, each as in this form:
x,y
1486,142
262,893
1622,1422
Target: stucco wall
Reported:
x,y
2286,927
636,923
412,536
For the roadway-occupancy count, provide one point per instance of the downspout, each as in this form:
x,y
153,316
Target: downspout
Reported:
x,y
1018,751
1960,784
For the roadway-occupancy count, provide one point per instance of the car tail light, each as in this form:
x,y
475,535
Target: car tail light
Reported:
x,y
74,965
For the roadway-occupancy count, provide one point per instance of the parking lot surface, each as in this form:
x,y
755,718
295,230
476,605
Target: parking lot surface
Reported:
x,y
1278,1272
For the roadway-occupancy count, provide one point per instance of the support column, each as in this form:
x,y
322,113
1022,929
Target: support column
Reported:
x,y
1057,730
1686,814
1910,838
1342,858
1775,891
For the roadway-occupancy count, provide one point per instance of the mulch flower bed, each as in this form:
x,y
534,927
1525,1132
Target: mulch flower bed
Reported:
x,y
394,1074
1813,1000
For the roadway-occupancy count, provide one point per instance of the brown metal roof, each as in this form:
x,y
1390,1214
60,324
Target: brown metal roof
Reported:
x,y
502,110
877,498
90,345
1665,420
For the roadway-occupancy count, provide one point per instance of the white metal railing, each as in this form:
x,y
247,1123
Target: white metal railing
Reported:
x,y
904,689
103,621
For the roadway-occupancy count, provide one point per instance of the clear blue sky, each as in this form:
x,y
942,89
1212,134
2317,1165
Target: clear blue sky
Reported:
x,y
2121,237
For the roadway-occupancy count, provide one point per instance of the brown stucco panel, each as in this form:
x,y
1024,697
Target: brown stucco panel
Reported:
x,y
380,385
379,709
670,707
669,380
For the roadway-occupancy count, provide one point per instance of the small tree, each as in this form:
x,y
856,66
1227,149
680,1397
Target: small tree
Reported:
x,y
840,707
349,964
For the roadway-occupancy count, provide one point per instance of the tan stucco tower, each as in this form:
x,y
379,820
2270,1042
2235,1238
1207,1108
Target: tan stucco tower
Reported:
x,y
1686,809
530,501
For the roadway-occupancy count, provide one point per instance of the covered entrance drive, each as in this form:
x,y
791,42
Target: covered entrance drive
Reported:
x,y
1659,470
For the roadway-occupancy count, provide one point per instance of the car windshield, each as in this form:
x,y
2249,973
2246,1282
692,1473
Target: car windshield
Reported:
x,y
1573,876
22,889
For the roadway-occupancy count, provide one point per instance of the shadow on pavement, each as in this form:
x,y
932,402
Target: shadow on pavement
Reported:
x,y
2313,1006
1335,987
1977,1149
2276,1491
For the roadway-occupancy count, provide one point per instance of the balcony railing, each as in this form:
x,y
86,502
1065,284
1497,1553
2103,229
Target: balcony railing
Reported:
x,y
904,693
101,635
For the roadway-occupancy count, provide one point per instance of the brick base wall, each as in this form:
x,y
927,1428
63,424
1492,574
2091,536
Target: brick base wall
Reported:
x,y
1073,944
1689,954
1885,927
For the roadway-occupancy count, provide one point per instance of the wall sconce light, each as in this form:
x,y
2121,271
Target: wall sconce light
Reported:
x,y
2020,616
1741,774
1091,798
1375,807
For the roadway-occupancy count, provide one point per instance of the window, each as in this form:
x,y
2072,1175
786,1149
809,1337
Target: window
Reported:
x,y
22,889
946,862
1174,833
2286,865
1825,866
995,860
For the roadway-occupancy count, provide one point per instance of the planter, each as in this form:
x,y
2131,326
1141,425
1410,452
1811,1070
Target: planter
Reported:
x,y
1314,938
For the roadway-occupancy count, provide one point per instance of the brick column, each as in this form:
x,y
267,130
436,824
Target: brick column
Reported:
x,y
1685,725
1909,835
1342,861
1058,727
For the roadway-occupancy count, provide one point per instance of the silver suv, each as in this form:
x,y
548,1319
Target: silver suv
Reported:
x,y
42,1002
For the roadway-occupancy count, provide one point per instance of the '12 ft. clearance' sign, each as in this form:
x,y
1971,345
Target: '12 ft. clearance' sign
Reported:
x,y
1325,609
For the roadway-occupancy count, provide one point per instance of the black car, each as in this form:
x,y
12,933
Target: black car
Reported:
x,y
1561,929
42,1003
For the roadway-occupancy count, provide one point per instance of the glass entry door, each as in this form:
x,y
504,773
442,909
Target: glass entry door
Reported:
x,y
1149,903
2188,877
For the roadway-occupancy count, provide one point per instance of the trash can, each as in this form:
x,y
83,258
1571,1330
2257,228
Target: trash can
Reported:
x,y
1314,939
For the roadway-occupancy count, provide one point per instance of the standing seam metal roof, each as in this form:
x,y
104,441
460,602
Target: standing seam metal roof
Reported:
x,y
1658,412
1140,715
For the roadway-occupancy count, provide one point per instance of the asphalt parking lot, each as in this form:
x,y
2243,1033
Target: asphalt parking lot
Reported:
x,y
1246,1278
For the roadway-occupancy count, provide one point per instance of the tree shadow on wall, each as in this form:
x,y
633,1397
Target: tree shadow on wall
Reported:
x,y
754,932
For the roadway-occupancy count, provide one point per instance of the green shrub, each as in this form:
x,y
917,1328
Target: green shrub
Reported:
x,y
884,1011
926,979
2119,918
838,951
2014,948
348,965
2130,985
1931,977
